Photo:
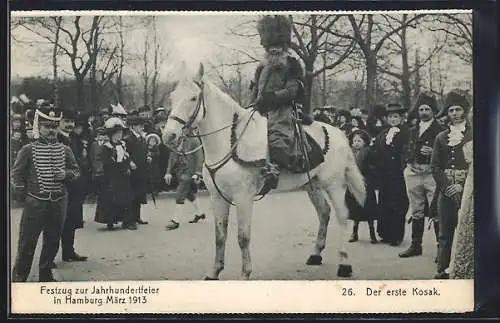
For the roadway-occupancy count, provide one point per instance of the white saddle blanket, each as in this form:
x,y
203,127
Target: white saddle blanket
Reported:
x,y
252,145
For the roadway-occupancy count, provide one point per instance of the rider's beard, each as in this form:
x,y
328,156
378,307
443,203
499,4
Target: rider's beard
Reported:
x,y
276,59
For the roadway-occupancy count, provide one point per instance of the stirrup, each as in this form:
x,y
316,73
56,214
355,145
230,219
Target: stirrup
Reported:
x,y
271,175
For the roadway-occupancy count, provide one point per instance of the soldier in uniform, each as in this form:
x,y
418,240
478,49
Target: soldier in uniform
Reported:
x,y
389,147
420,184
449,169
278,83
137,148
42,171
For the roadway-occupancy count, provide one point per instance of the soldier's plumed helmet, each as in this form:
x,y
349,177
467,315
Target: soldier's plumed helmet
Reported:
x,y
47,113
275,30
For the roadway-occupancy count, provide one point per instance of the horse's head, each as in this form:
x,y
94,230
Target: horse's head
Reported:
x,y
187,109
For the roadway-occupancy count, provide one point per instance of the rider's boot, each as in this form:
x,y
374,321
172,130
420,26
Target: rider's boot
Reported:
x,y
271,173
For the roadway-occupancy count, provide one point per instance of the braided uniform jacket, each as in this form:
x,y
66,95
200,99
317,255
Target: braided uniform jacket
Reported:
x,y
34,168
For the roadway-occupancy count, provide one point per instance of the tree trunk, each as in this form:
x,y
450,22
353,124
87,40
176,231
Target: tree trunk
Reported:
x,y
119,78
324,90
145,75
308,86
405,80
54,62
371,82
154,85
418,78
80,90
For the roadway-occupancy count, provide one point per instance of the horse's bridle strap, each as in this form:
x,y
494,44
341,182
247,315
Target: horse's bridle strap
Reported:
x,y
179,120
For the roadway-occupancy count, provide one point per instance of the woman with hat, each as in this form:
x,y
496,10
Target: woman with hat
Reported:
x,y
359,141
450,168
393,201
116,194
376,120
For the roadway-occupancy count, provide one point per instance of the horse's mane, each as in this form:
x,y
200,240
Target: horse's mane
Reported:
x,y
226,98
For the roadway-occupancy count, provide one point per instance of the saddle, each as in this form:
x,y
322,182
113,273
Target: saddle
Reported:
x,y
249,136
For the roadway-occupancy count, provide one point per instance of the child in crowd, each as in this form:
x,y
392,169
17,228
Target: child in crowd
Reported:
x,y
359,141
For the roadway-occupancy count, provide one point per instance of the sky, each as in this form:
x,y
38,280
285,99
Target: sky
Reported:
x,y
190,37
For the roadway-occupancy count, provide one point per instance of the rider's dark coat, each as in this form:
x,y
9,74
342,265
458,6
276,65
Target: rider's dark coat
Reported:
x,y
286,82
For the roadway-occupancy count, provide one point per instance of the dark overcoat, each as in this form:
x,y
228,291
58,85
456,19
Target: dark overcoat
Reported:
x,y
136,147
393,199
116,192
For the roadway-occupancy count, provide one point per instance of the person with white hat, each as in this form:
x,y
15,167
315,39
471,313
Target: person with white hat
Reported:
x,y
41,173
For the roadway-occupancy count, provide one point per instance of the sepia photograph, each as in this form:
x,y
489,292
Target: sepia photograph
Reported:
x,y
280,146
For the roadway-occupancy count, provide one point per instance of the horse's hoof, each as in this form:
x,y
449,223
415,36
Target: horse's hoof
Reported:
x,y
344,271
210,278
314,260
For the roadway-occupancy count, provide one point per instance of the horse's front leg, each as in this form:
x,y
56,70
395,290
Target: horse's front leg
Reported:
x,y
245,212
221,214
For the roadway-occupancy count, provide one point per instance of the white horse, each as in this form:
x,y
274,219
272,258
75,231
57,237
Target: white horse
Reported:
x,y
196,102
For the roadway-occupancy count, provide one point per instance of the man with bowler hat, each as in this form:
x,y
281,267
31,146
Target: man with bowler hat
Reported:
x,y
42,172
137,148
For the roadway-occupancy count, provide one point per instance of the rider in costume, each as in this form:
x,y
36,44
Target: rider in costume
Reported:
x,y
276,86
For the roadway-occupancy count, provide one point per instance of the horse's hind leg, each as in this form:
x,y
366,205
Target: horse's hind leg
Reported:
x,y
221,214
336,193
323,210
245,210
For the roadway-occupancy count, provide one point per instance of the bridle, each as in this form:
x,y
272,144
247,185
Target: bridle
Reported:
x,y
188,125
200,103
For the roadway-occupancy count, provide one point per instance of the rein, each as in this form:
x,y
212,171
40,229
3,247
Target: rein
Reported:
x,y
213,168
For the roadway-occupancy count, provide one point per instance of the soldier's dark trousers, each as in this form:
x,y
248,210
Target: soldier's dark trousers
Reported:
x,y
38,216
74,214
448,217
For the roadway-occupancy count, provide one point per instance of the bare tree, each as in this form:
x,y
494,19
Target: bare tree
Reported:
x,y
370,37
458,28
312,39
398,45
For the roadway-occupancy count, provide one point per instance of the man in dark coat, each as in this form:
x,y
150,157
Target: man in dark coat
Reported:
x,y
389,149
449,169
77,189
137,148
277,85
420,184
41,173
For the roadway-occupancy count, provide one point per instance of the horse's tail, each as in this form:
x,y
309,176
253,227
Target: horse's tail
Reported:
x,y
354,179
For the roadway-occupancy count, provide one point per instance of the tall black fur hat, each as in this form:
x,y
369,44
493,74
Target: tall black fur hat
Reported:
x,y
454,97
275,30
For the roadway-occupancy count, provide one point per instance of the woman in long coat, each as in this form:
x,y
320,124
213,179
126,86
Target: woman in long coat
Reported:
x,y
393,200
360,141
116,192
